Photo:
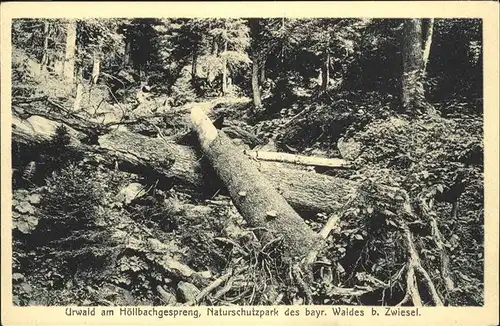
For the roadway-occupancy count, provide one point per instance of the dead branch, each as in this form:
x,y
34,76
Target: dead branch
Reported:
x,y
298,159
210,288
329,226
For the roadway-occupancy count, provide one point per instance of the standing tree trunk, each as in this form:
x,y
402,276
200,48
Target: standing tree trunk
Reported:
x,y
224,70
128,50
194,65
257,200
45,54
325,72
79,89
69,56
255,82
255,31
263,71
428,29
412,92
96,67
215,46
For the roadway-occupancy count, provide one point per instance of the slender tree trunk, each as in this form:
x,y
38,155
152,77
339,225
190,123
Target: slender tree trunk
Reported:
x,y
412,93
69,57
96,67
215,46
224,71
325,72
283,26
128,50
255,33
194,65
263,71
428,29
79,90
255,82
45,54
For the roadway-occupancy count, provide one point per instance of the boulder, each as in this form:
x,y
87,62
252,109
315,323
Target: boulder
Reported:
x,y
187,292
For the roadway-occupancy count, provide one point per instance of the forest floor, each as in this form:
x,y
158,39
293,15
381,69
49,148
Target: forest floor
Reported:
x,y
89,234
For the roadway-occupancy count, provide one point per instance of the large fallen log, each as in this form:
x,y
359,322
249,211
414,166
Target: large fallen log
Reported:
x,y
144,155
181,165
253,195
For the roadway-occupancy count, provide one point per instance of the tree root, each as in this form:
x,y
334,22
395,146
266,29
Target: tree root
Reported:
x,y
425,207
212,286
415,268
303,286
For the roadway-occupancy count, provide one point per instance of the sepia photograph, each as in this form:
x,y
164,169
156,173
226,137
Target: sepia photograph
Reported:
x,y
247,162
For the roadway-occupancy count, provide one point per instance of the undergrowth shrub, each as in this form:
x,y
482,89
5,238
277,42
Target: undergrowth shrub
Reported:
x,y
72,199
430,153
333,117
182,90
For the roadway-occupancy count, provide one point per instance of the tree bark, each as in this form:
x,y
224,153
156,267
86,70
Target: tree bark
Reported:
x,y
428,29
325,72
96,67
255,82
224,71
254,31
78,97
128,50
252,194
45,54
194,65
69,56
412,87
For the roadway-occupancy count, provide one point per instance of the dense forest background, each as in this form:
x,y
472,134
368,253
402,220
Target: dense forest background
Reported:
x,y
399,100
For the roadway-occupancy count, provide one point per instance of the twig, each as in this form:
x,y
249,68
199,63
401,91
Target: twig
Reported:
x,y
296,116
20,100
225,289
278,299
235,245
210,288
327,228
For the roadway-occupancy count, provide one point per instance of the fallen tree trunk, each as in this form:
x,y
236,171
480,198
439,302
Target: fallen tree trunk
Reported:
x,y
142,155
253,195
298,159
181,166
